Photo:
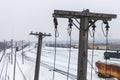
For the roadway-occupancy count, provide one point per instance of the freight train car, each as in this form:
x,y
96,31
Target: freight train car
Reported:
x,y
18,48
108,70
108,55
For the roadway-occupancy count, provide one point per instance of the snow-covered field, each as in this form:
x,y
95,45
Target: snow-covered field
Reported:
x,y
26,71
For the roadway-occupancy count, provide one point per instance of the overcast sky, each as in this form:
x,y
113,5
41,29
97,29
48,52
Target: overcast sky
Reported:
x,y
19,17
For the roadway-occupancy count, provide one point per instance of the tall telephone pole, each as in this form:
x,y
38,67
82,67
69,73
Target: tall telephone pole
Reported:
x,y
11,51
22,53
38,59
85,16
15,61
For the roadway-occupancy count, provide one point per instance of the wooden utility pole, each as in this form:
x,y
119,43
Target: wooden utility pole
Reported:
x,y
4,47
85,16
12,51
15,61
38,59
22,54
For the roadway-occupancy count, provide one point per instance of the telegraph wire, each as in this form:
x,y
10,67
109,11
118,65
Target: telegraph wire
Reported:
x,y
69,56
56,35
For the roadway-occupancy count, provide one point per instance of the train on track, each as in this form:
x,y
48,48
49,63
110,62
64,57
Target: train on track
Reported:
x,y
106,70
18,48
108,55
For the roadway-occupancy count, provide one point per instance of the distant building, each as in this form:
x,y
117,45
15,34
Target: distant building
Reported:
x,y
93,47
1,46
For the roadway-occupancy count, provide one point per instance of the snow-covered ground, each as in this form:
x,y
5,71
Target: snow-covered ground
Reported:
x,y
26,71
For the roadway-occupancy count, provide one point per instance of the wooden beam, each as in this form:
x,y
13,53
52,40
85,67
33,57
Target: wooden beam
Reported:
x,y
85,13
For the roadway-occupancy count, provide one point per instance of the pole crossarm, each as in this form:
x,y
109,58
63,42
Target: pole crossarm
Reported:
x,y
43,34
84,13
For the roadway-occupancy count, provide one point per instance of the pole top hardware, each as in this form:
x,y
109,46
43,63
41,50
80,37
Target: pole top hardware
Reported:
x,y
84,13
39,33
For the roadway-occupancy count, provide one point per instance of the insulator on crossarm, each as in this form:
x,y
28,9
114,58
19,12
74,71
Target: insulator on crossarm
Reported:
x,y
55,22
70,22
94,27
107,27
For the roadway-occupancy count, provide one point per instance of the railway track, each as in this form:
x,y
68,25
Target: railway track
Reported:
x,y
51,68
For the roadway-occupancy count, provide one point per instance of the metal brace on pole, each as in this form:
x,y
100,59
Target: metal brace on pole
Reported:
x,y
38,58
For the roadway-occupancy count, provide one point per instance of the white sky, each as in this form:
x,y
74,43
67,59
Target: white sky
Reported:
x,y
19,17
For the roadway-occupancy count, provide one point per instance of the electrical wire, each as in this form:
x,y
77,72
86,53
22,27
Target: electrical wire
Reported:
x,y
106,35
92,59
56,35
103,30
90,33
54,64
106,50
92,66
93,36
69,59
92,53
